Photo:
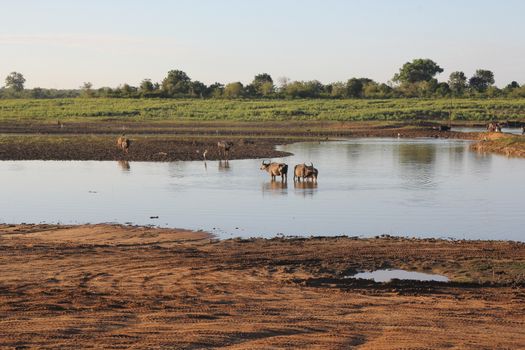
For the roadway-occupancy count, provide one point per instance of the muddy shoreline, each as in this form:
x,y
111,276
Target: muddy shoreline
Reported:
x,y
186,141
113,286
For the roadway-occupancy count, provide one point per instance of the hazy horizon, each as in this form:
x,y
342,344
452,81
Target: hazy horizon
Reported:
x,y
61,44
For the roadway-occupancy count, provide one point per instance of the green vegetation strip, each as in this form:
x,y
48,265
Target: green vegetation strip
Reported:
x,y
100,109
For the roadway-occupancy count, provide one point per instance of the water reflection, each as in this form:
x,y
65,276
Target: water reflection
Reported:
x,y
124,165
305,188
417,165
388,275
419,154
425,188
224,165
275,188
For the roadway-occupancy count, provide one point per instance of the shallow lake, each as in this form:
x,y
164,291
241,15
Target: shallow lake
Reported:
x,y
367,187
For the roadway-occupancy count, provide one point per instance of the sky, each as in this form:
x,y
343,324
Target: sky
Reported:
x,y
63,43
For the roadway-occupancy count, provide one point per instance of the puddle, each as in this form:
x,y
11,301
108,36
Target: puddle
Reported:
x,y
388,275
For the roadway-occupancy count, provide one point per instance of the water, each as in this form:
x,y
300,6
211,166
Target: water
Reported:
x,y
515,131
388,275
367,187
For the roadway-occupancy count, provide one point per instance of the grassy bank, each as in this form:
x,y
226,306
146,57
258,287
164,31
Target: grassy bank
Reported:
x,y
259,110
509,145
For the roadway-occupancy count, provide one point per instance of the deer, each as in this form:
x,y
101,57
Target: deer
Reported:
x,y
224,148
123,143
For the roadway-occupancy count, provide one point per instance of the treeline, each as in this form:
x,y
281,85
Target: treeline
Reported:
x,y
415,79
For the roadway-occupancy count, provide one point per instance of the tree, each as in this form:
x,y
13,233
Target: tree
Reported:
x,y
15,81
457,82
216,89
262,85
233,90
198,89
177,82
416,71
442,89
337,90
262,78
354,88
127,90
146,86
303,89
266,89
86,89
481,80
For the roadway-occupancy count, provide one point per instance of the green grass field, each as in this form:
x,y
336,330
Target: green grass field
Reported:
x,y
79,109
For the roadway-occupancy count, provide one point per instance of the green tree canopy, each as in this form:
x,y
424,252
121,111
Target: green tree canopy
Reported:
x,y
457,82
15,81
198,89
146,86
86,89
177,82
354,88
416,71
233,90
261,85
481,80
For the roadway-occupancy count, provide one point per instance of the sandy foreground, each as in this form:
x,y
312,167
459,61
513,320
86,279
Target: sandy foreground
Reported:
x,y
116,287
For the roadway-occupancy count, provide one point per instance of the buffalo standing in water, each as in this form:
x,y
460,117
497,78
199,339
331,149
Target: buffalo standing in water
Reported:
x,y
303,171
276,169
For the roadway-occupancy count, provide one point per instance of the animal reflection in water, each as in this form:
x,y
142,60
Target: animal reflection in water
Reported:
x,y
275,187
276,169
224,165
124,165
305,185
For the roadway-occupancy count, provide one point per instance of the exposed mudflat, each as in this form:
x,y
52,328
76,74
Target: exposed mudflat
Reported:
x,y
170,141
104,286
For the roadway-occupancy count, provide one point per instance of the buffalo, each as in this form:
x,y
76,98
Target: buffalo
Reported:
x,y
303,171
276,169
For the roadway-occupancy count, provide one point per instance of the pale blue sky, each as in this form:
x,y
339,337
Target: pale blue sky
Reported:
x,y
62,43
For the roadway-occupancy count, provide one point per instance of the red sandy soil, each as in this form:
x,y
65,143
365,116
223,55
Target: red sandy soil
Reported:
x,y
117,287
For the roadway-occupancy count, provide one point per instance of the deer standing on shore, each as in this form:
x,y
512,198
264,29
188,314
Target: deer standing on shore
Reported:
x,y
224,149
123,143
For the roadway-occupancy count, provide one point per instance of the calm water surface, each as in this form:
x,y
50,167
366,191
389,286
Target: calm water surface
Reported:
x,y
367,187
388,275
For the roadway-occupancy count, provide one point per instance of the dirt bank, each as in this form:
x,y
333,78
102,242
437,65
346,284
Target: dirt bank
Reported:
x,y
119,287
163,141
506,144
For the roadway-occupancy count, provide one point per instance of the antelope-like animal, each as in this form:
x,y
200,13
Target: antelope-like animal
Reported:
x,y
224,148
123,143
276,169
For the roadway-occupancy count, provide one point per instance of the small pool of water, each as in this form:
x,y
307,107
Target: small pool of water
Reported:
x,y
388,275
